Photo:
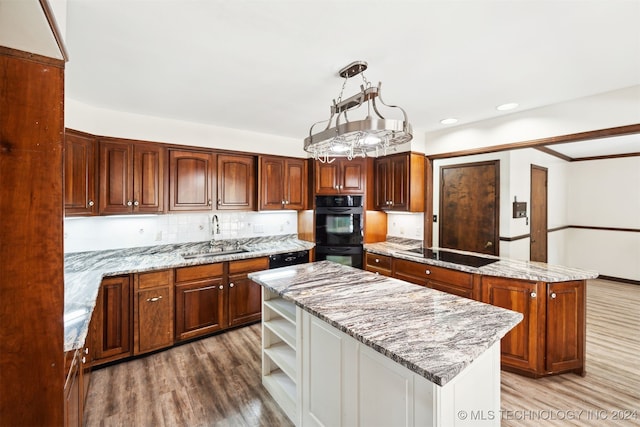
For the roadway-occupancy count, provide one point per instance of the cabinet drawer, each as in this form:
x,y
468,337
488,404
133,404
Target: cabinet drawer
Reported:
x,y
378,261
424,272
154,279
197,272
248,265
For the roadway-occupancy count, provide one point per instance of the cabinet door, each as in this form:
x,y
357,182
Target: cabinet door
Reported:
x,y
326,177
352,179
116,177
112,338
80,175
148,178
295,184
382,177
73,392
565,326
236,182
191,181
399,182
153,319
272,180
200,308
379,264
520,346
245,304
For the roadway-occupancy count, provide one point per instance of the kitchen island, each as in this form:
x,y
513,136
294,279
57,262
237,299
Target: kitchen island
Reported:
x,y
344,346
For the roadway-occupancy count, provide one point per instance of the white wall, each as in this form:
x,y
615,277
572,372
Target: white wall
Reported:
x,y
128,231
605,193
103,122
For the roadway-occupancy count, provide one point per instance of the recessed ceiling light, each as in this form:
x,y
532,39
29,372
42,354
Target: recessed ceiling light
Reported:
x,y
449,121
506,107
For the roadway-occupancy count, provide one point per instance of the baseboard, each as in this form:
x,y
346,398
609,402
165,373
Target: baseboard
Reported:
x,y
619,279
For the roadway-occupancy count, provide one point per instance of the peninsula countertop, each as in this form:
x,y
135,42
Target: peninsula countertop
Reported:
x,y
83,272
432,333
503,267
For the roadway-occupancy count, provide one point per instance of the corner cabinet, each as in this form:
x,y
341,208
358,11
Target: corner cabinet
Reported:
x,y
80,183
131,177
399,180
112,315
283,183
281,363
236,182
551,337
341,176
191,180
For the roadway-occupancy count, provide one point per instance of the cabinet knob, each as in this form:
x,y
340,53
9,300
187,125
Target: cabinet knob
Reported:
x,y
377,260
231,285
91,203
221,287
129,203
209,202
553,295
427,272
136,203
86,350
154,299
533,295
84,359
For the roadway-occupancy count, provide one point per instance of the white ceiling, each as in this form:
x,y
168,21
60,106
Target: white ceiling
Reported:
x,y
271,66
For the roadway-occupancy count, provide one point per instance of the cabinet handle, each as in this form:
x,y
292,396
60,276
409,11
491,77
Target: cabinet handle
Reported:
x,y
129,203
136,203
154,299
91,203
427,272
86,350
231,285
533,295
553,295
84,360
221,287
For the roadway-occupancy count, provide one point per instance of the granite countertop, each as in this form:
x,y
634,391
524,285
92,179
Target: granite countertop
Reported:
x,y
83,272
503,267
432,333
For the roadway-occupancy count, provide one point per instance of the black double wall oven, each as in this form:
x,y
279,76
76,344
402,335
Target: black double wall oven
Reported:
x,y
339,229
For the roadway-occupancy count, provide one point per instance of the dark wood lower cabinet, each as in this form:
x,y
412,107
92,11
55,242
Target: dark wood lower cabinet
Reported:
x,y
245,296
112,315
153,311
442,279
200,300
73,389
566,302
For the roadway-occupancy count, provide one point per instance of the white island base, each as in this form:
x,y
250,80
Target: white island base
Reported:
x,y
321,376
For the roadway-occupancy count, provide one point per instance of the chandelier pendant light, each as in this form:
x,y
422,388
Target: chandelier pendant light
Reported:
x,y
343,137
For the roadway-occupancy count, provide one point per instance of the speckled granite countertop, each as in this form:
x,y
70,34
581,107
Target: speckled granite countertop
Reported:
x,y
504,267
83,272
432,333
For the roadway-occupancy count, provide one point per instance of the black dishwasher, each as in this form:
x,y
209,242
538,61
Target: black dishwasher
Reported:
x,y
288,258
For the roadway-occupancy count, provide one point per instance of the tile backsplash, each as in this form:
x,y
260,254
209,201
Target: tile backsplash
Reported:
x,y
113,232
407,225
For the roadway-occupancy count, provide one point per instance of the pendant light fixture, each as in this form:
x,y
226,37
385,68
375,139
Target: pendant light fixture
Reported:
x,y
346,137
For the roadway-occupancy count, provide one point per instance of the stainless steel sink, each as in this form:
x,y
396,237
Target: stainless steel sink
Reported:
x,y
213,252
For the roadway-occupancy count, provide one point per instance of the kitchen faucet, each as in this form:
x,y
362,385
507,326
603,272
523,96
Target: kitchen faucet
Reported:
x,y
216,224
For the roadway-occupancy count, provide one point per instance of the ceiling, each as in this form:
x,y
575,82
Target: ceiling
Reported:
x,y
270,66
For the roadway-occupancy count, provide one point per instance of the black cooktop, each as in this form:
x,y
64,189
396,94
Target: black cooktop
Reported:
x,y
453,257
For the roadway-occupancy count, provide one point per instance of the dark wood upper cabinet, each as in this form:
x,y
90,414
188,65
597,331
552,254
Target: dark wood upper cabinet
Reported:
x,y
283,183
80,183
131,177
191,180
399,180
236,182
342,176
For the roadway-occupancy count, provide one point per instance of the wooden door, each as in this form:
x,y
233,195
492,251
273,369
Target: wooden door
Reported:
x,y
399,182
153,311
148,178
113,319
565,326
326,177
236,182
352,176
538,240
245,303
470,207
295,184
116,177
272,179
520,347
80,183
191,182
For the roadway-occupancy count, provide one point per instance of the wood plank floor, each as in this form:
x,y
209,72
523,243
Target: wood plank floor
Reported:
x,y
216,381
